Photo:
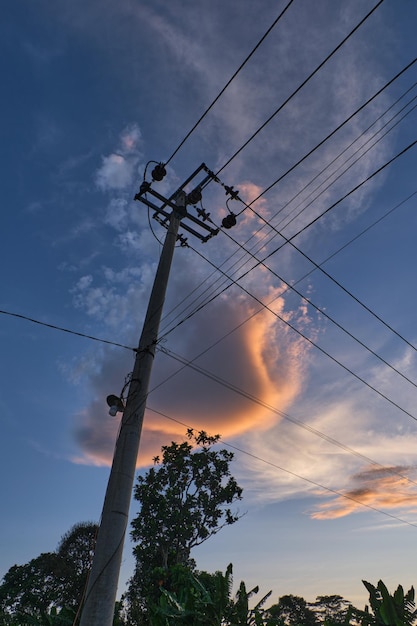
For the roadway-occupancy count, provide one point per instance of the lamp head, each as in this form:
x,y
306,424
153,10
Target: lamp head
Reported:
x,y
116,405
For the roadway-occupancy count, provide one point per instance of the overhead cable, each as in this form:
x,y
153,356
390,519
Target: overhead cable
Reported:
x,y
332,176
323,312
319,266
65,330
309,340
261,242
334,131
296,330
305,81
289,240
294,474
249,205
355,238
274,23
191,364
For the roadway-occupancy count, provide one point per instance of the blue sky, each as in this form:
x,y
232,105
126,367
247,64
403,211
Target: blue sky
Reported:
x,y
94,90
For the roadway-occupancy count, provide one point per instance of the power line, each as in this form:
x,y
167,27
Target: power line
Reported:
x,y
311,199
286,416
254,399
305,81
235,281
327,316
250,396
241,66
120,345
263,306
267,223
317,484
323,312
245,394
365,230
362,134
189,364
313,343
317,266
350,117
65,330
337,202
324,272
294,474
268,308
333,132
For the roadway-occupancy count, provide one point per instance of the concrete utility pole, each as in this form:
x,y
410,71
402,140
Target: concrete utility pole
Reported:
x,y
100,598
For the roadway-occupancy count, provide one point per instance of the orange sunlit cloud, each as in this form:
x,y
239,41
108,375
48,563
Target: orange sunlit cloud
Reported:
x,y
382,489
250,191
261,359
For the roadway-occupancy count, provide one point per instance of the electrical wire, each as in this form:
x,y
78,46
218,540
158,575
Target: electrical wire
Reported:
x,y
225,384
409,65
313,343
162,337
274,23
267,223
346,195
233,281
291,473
333,491
299,332
327,316
324,313
66,330
355,238
288,240
325,273
317,266
360,108
220,381
339,127
250,397
359,151
245,394
305,81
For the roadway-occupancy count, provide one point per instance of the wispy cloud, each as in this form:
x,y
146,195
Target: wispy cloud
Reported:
x,y
338,442
384,489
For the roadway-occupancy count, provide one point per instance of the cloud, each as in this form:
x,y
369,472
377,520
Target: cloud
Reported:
x,y
110,296
391,488
248,347
116,172
337,439
117,213
131,139
262,356
258,358
117,169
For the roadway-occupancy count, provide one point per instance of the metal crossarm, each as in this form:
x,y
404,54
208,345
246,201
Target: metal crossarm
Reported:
x,y
192,198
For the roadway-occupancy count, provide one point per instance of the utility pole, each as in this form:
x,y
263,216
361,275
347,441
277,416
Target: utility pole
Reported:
x,y
100,597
